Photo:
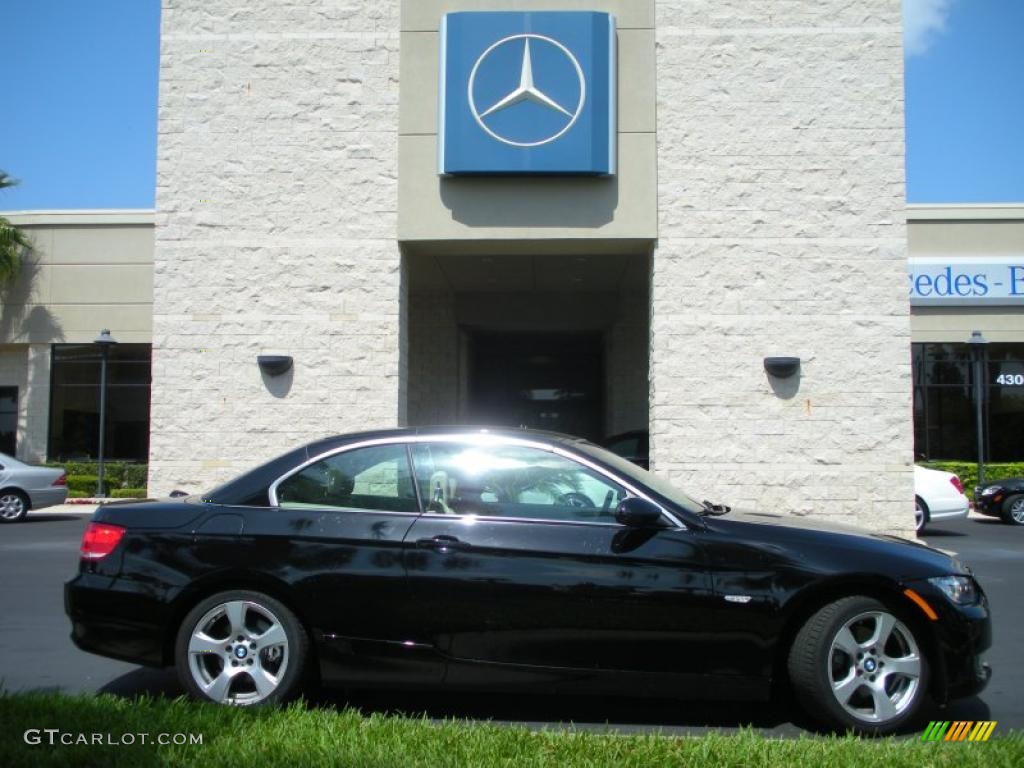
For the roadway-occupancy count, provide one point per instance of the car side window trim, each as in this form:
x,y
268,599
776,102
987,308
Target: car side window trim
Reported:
x,y
480,439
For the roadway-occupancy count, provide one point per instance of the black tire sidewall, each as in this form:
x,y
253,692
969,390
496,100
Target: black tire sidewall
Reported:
x,y
26,504
298,644
925,515
1009,502
816,694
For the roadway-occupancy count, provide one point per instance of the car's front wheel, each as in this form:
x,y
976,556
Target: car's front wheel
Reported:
x,y
241,648
1013,510
13,506
855,665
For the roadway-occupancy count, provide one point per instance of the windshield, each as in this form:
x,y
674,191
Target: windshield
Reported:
x,y
656,483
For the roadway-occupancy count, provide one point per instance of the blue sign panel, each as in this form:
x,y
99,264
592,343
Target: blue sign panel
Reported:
x,y
527,93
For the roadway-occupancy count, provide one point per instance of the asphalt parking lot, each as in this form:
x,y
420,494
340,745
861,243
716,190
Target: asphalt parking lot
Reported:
x,y
37,556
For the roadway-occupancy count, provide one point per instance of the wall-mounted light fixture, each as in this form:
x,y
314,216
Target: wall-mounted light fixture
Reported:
x,y
274,365
782,367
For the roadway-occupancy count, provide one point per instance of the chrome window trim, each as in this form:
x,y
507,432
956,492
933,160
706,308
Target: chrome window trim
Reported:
x,y
480,438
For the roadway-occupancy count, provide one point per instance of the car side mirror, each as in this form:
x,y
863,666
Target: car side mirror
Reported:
x,y
639,513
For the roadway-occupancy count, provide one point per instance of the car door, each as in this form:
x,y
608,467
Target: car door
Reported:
x,y
519,560
348,515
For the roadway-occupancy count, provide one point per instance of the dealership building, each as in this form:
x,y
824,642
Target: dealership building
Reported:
x,y
591,217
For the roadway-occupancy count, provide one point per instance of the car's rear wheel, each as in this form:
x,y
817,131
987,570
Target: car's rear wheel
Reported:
x,y
14,506
241,648
1013,510
856,665
921,514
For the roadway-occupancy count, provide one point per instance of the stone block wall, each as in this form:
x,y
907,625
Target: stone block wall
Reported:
x,y
781,232
276,199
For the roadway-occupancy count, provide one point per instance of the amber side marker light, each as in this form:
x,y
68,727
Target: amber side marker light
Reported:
x,y
931,614
99,540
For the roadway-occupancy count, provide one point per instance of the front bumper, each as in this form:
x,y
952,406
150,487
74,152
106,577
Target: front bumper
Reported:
x,y
991,505
961,635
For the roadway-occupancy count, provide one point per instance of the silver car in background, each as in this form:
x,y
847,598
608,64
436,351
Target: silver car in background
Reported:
x,y
23,487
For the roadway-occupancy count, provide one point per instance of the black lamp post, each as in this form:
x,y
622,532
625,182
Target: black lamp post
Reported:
x,y
977,344
104,341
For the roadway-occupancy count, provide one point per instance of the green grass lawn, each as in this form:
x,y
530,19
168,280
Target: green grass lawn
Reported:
x,y
301,736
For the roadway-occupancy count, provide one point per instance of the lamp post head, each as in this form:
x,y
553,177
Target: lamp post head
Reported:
x,y
105,340
977,341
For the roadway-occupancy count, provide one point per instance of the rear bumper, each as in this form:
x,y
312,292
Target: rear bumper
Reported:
x,y
47,497
115,618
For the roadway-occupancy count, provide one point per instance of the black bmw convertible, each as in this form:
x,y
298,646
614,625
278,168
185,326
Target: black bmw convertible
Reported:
x,y
512,560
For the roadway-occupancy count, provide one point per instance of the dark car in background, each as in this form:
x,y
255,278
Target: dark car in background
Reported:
x,y
513,560
1003,499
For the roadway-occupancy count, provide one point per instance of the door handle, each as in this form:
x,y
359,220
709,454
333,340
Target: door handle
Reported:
x,y
443,544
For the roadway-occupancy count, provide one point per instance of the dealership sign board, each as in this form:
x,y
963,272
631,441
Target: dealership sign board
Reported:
x,y
527,93
962,281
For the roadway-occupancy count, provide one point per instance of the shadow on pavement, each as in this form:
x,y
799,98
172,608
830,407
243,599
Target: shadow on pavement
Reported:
x,y
940,533
145,681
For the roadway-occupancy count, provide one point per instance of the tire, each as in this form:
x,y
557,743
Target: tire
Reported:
x,y
14,505
1013,509
266,668
921,515
845,692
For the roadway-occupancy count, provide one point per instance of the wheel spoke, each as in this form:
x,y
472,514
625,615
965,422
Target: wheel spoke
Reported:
x,y
906,666
884,624
845,688
235,612
884,708
273,636
846,642
219,688
203,643
265,682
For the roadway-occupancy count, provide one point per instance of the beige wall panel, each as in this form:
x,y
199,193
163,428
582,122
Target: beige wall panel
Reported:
x,y
432,208
966,238
418,73
101,284
425,15
955,324
101,245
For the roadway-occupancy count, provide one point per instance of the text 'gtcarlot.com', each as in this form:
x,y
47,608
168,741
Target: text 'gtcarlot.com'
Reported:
x,y
55,737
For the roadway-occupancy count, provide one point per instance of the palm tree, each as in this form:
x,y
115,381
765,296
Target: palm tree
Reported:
x,y
13,242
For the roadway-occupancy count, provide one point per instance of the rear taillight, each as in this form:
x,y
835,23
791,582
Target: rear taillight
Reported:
x,y
957,484
100,539
62,480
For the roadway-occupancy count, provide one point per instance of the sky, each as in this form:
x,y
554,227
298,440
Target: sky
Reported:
x,y
79,78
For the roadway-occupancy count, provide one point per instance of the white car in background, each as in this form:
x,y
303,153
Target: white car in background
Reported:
x,y
938,496
23,487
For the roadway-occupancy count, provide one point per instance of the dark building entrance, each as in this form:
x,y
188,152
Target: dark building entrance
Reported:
x,y
552,381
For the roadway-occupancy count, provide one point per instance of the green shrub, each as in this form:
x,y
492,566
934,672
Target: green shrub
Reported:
x,y
128,493
967,471
116,474
82,484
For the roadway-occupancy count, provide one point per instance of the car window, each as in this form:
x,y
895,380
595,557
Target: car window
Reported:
x,y
376,478
512,481
627,447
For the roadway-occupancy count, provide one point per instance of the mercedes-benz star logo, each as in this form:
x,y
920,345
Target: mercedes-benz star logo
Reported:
x,y
527,91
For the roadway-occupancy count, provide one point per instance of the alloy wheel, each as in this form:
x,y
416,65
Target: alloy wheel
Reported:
x,y
874,667
238,653
12,506
1017,510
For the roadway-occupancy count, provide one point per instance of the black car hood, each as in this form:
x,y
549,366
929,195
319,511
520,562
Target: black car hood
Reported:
x,y
833,547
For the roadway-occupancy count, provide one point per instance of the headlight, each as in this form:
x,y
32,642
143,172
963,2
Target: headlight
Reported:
x,y
990,490
959,589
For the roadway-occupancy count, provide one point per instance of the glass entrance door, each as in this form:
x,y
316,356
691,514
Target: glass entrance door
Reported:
x,y
552,381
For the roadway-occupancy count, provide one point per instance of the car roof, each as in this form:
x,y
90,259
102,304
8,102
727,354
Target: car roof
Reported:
x,y
324,444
